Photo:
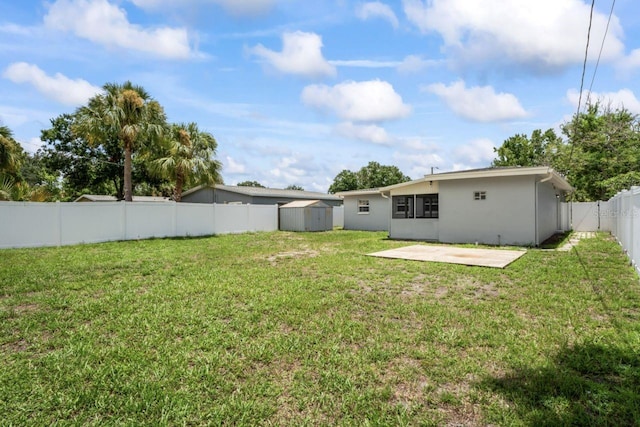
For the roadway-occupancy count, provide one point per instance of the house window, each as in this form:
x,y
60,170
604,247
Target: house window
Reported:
x,y
427,206
479,195
363,206
402,206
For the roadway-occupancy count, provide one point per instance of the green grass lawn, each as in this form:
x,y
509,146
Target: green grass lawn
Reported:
x,y
303,329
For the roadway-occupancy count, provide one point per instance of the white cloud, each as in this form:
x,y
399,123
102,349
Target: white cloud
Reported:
x,y
479,103
622,98
417,165
410,64
377,9
369,133
58,87
231,166
540,35
368,101
301,54
479,151
104,23
414,64
630,62
235,7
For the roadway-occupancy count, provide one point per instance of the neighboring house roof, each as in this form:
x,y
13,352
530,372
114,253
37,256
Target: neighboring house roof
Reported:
x,y
543,171
363,192
104,198
267,192
304,204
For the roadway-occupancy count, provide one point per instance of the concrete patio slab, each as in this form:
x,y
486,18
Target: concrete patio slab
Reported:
x,y
440,253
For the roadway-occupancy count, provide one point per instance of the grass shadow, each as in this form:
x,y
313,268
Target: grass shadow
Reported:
x,y
591,384
556,241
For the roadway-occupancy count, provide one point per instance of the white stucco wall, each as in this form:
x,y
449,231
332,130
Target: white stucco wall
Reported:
x,y
507,216
415,228
376,220
548,206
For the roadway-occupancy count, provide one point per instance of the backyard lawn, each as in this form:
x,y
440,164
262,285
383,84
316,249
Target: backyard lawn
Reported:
x,y
303,329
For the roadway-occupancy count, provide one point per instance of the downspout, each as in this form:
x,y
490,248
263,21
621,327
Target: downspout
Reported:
x,y
389,214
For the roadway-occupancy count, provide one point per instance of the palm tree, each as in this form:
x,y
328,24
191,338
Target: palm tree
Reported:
x,y
188,158
9,151
127,112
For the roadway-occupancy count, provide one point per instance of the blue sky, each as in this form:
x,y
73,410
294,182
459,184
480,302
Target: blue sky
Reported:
x,y
295,91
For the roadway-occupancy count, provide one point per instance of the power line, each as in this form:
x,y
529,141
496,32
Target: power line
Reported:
x,y
586,55
595,70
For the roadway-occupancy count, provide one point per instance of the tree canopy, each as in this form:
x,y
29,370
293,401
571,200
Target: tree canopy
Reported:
x,y
600,154
250,184
373,175
294,187
187,158
125,113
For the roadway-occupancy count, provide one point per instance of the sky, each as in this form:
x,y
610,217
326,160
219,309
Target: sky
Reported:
x,y
295,91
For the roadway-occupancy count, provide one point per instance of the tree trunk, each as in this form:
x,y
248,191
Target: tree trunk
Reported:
x,y
177,196
128,193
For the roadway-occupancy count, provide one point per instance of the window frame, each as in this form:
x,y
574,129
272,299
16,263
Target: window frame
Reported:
x,y
408,202
479,195
430,205
364,208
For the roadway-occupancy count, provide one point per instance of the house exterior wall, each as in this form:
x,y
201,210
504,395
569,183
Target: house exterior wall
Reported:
x,y
507,216
548,211
377,219
414,228
204,195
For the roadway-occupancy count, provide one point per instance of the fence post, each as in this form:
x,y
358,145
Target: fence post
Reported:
x,y
59,221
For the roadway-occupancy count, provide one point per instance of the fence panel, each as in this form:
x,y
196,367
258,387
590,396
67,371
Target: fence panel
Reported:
x,y
28,224
91,222
625,222
338,216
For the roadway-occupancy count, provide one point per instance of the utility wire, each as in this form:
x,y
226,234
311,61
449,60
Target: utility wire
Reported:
x,y
584,69
595,70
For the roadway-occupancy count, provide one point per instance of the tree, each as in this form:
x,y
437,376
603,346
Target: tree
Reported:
x,y
294,187
604,155
250,184
374,175
188,158
127,113
10,152
542,149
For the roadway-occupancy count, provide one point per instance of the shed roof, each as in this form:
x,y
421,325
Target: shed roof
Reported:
x,y
305,203
543,172
268,192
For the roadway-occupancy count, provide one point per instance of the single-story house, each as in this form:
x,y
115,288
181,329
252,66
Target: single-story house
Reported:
x,y
103,198
366,210
498,206
253,195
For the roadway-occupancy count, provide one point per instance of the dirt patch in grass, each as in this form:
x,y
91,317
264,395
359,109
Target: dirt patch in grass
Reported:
x,y
303,253
15,346
26,308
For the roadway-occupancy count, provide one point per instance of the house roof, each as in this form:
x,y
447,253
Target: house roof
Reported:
x,y
305,203
363,192
105,198
544,172
268,192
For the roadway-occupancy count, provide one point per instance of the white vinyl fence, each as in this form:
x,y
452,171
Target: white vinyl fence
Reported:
x,y
27,224
624,215
338,216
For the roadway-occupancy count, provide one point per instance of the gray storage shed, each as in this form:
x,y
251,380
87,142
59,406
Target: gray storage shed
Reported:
x,y
306,215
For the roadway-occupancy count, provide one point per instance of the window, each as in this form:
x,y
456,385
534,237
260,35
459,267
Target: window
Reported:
x,y
402,206
427,206
363,206
479,195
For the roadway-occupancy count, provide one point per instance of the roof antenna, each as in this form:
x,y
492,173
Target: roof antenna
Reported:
x,y
434,167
